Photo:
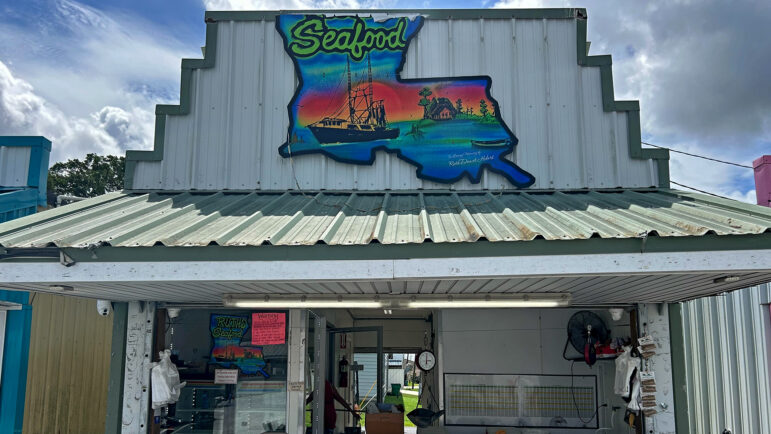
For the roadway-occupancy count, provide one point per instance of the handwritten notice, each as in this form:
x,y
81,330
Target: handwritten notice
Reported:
x,y
268,328
226,376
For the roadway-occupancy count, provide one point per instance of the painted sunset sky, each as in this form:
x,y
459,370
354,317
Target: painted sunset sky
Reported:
x,y
401,100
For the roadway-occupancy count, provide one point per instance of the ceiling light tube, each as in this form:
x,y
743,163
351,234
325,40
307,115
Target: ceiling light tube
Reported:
x,y
523,301
533,300
269,302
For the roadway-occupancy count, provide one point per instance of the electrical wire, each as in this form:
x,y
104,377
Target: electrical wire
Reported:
x,y
698,156
575,403
700,191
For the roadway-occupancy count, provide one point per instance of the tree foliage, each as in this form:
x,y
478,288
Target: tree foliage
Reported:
x,y
90,177
424,101
483,107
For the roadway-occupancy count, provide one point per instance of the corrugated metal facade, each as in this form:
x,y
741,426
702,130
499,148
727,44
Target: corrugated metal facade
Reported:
x,y
69,362
368,375
727,341
238,115
345,218
14,166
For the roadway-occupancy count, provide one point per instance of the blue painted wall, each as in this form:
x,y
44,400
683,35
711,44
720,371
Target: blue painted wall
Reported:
x,y
15,203
15,358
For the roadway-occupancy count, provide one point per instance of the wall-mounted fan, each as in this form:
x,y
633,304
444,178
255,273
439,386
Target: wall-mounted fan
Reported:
x,y
585,330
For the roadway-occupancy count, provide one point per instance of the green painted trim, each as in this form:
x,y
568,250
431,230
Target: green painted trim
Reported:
x,y
183,108
679,379
632,108
431,14
538,247
604,62
113,422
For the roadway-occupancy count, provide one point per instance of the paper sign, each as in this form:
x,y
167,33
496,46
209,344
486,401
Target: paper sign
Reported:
x,y
226,376
268,328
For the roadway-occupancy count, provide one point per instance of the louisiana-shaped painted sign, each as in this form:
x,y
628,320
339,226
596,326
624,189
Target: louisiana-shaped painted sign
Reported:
x,y
351,102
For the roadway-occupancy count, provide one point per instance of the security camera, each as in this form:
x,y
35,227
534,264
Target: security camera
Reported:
x,y
104,307
616,313
173,312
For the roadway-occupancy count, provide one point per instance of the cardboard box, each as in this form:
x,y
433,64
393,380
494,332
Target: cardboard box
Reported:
x,y
384,423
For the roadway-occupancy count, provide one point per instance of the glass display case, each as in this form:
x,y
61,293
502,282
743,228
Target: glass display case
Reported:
x,y
203,341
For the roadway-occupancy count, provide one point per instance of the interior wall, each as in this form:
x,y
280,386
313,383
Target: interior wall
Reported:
x,y
398,335
524,341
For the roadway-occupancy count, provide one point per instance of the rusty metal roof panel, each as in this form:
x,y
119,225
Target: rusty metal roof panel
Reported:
x,y
359,218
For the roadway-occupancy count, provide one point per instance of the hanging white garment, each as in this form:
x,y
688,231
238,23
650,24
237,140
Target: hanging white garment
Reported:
x,y
625,368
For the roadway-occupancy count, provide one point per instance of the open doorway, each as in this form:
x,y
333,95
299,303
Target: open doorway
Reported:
x,y
376,380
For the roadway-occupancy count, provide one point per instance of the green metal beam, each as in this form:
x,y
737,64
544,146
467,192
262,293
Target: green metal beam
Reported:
x,y
679,380
113,423
431,14
425,250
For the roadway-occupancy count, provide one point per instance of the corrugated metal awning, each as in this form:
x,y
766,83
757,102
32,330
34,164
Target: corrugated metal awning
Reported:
x,y
361,218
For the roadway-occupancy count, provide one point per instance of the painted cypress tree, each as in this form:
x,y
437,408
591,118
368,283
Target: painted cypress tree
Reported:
x,y
483,108
424,102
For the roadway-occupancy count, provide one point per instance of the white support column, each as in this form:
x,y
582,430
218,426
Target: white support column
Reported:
x,y
136,377
295,408
654,320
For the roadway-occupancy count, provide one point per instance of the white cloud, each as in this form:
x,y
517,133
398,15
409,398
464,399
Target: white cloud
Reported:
x,y
86,79
109,131
83,59
217,5
699,72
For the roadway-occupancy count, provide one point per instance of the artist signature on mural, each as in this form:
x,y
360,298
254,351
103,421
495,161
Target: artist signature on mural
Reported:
x,y
469,158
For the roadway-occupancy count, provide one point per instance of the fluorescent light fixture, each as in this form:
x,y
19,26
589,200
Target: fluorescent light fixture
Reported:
x,y
300,302
727,279
61,287
501,301
387,303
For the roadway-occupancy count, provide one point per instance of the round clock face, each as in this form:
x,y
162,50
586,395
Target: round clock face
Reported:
x,y
426,360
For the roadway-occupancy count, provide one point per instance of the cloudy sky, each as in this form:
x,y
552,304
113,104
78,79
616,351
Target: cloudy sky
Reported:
x,y
87,74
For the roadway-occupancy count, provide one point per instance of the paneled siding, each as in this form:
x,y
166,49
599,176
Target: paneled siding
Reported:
x,y
727,341
14,166
239,118
69,362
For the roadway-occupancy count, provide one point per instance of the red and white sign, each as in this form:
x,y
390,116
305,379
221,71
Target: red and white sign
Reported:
x,y
268,328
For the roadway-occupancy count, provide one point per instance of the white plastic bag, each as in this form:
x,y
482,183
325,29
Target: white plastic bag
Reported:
x,y
164,379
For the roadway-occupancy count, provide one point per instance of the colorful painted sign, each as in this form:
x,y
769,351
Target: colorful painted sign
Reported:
x,y
227,331
352,102
268,328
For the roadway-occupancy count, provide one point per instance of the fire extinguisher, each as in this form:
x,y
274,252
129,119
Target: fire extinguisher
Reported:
x,y
342,370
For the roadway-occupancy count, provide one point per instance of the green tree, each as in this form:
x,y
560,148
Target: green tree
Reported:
x,y
459,105
90,177
424,102
483,108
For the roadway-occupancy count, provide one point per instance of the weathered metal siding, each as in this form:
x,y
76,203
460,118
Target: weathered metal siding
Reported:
x,y
69,361
14,166
727,341
238,114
